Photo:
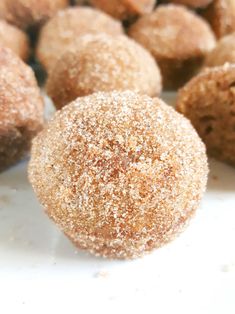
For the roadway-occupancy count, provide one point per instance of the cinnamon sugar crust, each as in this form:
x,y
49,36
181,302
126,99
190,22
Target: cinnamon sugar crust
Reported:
x,y
125,9
221,16
119,173
13,38
30,13
208,100
224,52
67,26
21,108
103,63
177,38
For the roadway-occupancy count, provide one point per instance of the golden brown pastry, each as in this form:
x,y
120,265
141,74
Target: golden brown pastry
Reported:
x,y
177,38
30,13
13,38
224,52
124,9
221,16
119,173
66,28
208,100
21,108
103,63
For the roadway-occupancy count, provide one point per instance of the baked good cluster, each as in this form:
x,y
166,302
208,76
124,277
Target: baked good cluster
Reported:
x,y
120,171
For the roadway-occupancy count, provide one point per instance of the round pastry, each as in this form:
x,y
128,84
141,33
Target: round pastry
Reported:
x,y
223,52
177,38
125,9
208,100
193,3
29,13
67,26
103,63
119,173
221,15
21,108
14,39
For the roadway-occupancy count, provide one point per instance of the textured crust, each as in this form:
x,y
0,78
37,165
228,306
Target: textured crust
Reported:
x,y
14,39
208,100
178,56
62,30
193,3
21,108
119,173
29,13
125,9
224,52
103,63
221,15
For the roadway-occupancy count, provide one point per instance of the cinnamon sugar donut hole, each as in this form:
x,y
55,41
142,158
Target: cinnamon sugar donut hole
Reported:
x,y
195,4
30,13
177,38
21,108
224,52
125,9
67,26
208,100
221,16
14,39
103,63
119,173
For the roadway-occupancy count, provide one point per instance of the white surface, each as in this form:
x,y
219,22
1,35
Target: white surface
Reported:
x,y
40,270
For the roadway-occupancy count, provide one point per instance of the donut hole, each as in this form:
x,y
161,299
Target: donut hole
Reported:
x,y
110,204
208,100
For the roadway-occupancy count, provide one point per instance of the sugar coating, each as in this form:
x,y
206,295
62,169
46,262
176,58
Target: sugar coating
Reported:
x,y
193,3
177,38
119,173
67,26
208,100
103,63
21,108
221,16
224,52
15,39
125,9
29,13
